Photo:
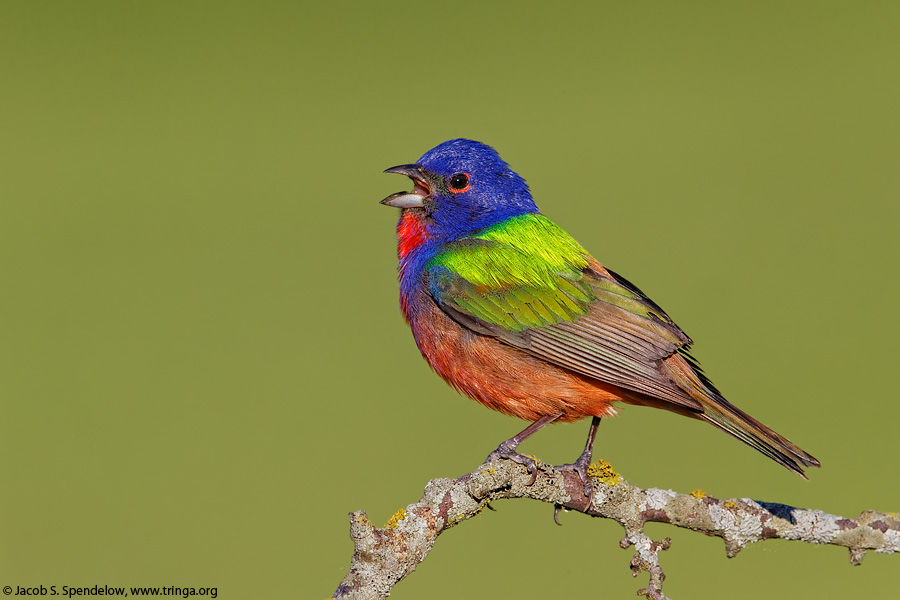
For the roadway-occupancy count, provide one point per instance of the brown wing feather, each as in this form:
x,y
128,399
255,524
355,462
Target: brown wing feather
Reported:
x,y
622,339
616,346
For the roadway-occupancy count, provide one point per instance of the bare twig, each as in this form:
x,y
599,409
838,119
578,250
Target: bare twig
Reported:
x,y
382,557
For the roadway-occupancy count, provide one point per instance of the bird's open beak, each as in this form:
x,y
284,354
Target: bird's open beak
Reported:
x,y
415,198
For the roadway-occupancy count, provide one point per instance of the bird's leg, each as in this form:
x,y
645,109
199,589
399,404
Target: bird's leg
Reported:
x,y
508,448
580,466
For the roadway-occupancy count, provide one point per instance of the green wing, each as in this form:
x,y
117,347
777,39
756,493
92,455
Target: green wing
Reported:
x,y
525,272
528,283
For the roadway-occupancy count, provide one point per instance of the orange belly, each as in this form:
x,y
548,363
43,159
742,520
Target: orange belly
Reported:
x,y
502,377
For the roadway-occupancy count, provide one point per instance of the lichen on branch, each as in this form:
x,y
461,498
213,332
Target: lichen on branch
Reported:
x,y
382,557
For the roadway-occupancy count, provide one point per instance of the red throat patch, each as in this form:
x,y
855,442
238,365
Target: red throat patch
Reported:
x,y
410,233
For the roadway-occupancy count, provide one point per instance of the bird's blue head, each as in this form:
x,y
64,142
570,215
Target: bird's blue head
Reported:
x,y
462,186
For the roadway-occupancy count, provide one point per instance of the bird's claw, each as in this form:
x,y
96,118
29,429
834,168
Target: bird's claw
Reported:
x,y
580,466
504,451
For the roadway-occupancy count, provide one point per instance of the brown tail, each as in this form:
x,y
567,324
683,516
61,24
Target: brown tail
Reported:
x,y
732,420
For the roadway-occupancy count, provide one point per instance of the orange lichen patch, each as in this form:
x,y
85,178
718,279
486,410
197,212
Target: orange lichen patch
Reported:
x,y
698,494
729,504
395,519
604,472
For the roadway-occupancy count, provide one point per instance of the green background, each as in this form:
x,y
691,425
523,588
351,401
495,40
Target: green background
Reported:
x,y
204,368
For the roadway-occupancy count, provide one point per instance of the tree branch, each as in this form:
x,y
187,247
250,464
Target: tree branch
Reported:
x,y
382,557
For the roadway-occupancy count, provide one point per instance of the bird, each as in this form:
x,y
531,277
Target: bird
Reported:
x,y
511,311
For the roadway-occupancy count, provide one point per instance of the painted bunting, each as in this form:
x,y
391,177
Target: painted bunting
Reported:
x,y
511,311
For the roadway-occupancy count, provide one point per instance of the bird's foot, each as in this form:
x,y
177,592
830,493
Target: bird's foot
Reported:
x,y
508,448
508,451
580,466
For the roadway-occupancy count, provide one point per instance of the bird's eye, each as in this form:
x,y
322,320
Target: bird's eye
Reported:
x,y
459,183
